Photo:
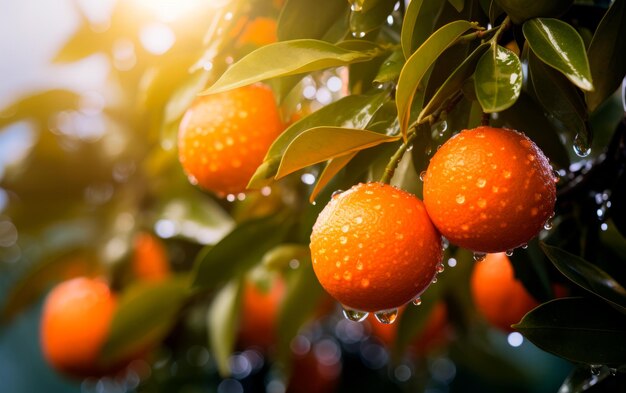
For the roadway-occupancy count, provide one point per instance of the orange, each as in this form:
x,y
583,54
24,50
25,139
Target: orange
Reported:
x,y
150,260
433,335
223,137
260,31
76,318
260,313
489,189
374,247
498,296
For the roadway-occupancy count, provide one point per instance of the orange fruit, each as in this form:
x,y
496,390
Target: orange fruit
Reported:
x,y
489,189
150,260
76,318
374,247
433,335
260,312
260,31
497,294
224,137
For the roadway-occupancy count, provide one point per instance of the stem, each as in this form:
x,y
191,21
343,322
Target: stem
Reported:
x,y
390,169
506,23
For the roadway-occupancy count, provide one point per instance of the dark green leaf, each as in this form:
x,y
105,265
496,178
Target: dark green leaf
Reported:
x,y
309,19
419,63
238,251
289,58
333,167
578,329
353,111
312,146
608,47
528,117
222,322
558,96
457,4
521,10
301,299
587,276
454,83
364,21
390,69
580,379
559,45
498,79
419,22
145,314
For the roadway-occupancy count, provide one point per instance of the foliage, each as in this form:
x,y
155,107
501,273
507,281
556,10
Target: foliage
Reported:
x,y
412,77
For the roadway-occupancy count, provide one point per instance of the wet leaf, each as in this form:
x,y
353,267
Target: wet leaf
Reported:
x,y
145,314
578,329
454,83
289,58
333,167
498,79
217,264
312,146
354,111
608,46
390,69
560,46
222,322
419,63
309,19
364,21
588,276
419,22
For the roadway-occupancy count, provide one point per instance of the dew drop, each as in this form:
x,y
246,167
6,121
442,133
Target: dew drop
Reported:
x,y
440,268
479,256
345,228
335,193
557,176
481,183
354,315
460,199
581,146
440,128
343,240
613,371
358,220
417,301
387,316
509,252
524,246
355,6
548,224
434,280
359,265
358,34
506,174
422,175
445,243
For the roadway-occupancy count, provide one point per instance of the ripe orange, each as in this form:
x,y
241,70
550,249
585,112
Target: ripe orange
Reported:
x,y
489,189
434,334
76,318
498,296
260,31
260,312
223,137
150,260
374,247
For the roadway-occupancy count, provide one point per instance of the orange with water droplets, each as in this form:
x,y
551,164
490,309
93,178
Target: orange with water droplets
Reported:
x,y
224,137
499,297
76,319
374,247
489,189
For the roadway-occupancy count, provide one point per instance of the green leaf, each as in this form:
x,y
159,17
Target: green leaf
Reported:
x,y
390,69
219,263
301,300
560,46
587,276
145,314
222,322
312,146
333,167
580,379
278,258
454,82
353,111
52,269
419,22
289,58
364,21
529,118
419,63
608,47
457,4
498,79
558,95
578,329
309,19
184,95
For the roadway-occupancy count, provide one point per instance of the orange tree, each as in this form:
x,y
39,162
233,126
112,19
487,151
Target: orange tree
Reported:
x,y
376,88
